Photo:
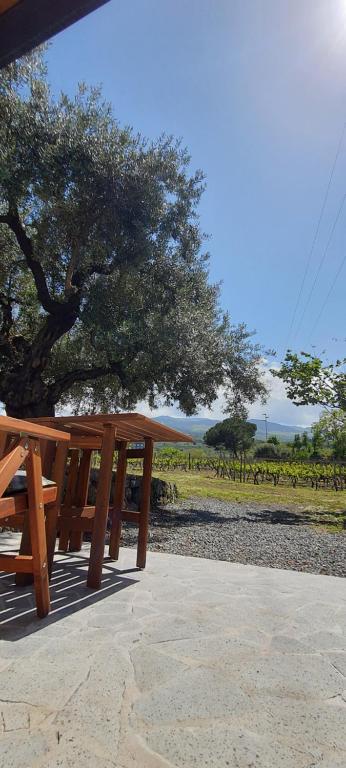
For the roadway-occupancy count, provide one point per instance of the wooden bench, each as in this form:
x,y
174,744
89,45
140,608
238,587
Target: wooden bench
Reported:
x,y
20,445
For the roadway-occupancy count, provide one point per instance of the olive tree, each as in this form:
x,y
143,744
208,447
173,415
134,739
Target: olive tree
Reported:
x,y
104,292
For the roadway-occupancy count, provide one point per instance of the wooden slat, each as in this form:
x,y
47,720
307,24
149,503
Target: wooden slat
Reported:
x,y
83,429
28,23
16,563
20,427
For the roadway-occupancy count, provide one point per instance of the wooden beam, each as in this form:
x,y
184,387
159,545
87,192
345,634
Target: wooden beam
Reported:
x,y
128,516
81,497
6,4
29,23
71,485
18,504
20,427
87,443
101,508
118,502
37,529
16,563
52,512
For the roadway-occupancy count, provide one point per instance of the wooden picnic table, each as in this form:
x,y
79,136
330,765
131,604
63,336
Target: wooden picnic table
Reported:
x,y
105,433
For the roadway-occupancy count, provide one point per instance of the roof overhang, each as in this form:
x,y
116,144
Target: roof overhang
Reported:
x,y
130,427
24,24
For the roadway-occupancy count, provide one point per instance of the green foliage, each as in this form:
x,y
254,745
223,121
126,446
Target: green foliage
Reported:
x,y
104,292
297,473
235,435
310,382
274,440
331,431
266,451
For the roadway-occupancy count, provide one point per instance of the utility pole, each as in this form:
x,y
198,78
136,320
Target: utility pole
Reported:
x,y
266,424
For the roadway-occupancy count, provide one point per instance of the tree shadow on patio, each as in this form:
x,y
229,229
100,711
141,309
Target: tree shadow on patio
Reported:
x,y
69,594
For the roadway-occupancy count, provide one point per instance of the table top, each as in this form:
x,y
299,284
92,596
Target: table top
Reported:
x,y
132,427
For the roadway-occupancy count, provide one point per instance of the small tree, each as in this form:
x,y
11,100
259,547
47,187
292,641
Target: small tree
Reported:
x,y
331,430
317,442
297,444
235,435
309,381
274,440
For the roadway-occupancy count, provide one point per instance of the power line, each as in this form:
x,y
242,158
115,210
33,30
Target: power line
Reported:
x,y
317,229
331,289
331,234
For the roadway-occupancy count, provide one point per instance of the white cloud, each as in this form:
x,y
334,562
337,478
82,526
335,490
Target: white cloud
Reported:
x,y
278,407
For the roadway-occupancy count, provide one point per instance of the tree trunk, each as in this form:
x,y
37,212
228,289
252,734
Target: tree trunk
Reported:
x,y
25,397
29,411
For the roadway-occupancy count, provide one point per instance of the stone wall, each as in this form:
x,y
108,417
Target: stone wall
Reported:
x,y
161,491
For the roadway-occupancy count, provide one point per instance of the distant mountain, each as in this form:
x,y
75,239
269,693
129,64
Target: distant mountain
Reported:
x,y
285,432
196,427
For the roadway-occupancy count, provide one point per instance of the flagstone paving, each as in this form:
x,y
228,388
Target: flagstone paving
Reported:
x,y
191,662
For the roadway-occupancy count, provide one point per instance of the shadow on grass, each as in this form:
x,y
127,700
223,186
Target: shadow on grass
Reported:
x,y
69,594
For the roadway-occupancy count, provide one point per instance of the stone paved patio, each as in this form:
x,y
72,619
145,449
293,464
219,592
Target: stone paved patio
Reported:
x,y
190,663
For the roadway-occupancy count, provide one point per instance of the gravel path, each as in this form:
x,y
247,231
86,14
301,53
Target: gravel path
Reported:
x,y
244,533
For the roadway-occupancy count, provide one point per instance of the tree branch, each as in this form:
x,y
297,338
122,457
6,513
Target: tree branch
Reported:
x,y
7,317
63,383
12,219
79,276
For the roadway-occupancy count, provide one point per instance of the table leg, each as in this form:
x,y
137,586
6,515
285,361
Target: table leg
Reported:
x,y
23,579
119,494
81,497
52,512
37,529
69,496
101,508
145,504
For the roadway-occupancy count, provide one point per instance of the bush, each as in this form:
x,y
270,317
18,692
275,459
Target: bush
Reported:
x,y
267,451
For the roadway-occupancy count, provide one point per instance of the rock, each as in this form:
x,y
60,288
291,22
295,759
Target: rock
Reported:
x,y
161,492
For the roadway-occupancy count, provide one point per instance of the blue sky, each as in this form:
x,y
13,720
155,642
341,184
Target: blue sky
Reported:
x,y
256,89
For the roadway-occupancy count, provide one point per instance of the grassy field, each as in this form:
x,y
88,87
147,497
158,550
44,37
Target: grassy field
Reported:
x,y
204,484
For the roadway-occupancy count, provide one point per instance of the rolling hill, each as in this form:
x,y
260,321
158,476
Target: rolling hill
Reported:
x,y
196,427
